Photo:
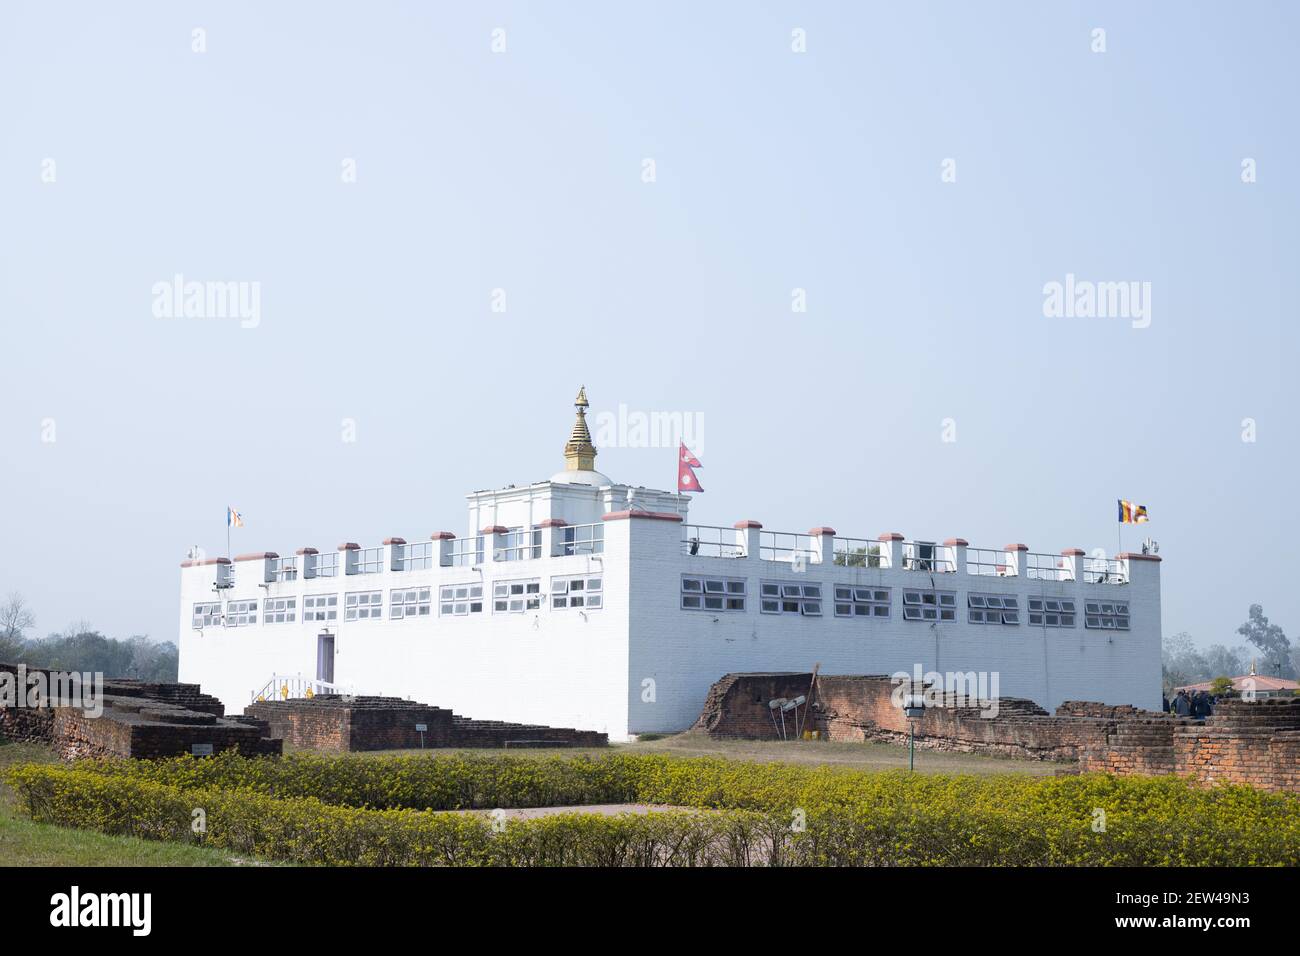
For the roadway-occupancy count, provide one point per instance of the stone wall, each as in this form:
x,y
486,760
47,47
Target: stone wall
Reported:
x,y
139,719
331,722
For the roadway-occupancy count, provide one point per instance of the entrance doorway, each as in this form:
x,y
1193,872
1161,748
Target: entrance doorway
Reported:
x,y
325,658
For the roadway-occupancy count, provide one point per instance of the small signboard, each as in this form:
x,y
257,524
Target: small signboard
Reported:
x,y
201,750
421,727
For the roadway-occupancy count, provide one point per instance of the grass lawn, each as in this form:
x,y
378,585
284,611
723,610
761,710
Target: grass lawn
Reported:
x,y
23,843
871,756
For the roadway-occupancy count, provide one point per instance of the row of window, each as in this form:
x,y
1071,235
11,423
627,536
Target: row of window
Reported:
x,y
454,600
700,593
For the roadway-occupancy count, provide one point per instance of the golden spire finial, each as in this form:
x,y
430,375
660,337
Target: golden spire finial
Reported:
x,y
579,452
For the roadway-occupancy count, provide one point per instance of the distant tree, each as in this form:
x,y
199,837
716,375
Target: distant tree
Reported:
x,y
1182,662
1220,686
1271,642
15,620
1233,661
153,661
87,650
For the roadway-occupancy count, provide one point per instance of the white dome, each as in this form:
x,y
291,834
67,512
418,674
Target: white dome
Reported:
x,y
593,478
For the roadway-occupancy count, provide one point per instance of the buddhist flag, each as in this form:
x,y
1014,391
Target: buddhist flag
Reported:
x,y
1129,513
233,518
686,480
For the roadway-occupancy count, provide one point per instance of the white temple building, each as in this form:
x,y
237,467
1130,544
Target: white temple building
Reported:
x,y
582,602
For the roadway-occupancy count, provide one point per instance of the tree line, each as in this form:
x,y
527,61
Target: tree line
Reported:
x,y
1266,645
81,648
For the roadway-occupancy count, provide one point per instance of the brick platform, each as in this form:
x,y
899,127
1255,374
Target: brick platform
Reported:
x,y
140,719
331,722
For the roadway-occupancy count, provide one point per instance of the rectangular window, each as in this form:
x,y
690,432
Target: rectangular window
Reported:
x,y
370,561
363,605
1106,615
457,600
284,569
280,611
580,539
241,613
993,609
785,597
207,615
929,605
320,607
713,594
327,565
417,557
466,552
1051,612
854,601
520,545
516,597
409,602
585,592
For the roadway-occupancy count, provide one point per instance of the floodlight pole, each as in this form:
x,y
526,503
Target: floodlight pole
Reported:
x,y
912,710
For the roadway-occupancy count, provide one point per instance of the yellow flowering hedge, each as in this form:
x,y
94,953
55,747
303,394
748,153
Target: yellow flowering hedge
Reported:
x,y
349,809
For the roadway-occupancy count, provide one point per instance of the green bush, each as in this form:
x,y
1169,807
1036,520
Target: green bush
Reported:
x,y
347,809
306,830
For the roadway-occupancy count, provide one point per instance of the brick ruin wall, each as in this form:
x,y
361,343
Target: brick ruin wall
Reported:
x,y
331,722
139,719
146,720
859,707
1251,742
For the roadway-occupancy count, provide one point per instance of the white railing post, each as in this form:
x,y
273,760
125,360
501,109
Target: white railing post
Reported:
x,y
1072,564
395,551
1016,559
955,549
552,535
495,542
748,534
446,541
891,549
823,545
309,559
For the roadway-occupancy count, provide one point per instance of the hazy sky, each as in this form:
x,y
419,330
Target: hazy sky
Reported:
x,y
126,435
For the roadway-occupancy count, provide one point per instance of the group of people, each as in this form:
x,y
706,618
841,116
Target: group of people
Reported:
x,y
1198,704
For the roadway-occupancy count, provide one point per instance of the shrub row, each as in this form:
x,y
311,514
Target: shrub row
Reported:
x,y
752,813
309,831
441,782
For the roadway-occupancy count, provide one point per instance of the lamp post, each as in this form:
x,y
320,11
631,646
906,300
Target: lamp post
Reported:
x,y
913,708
